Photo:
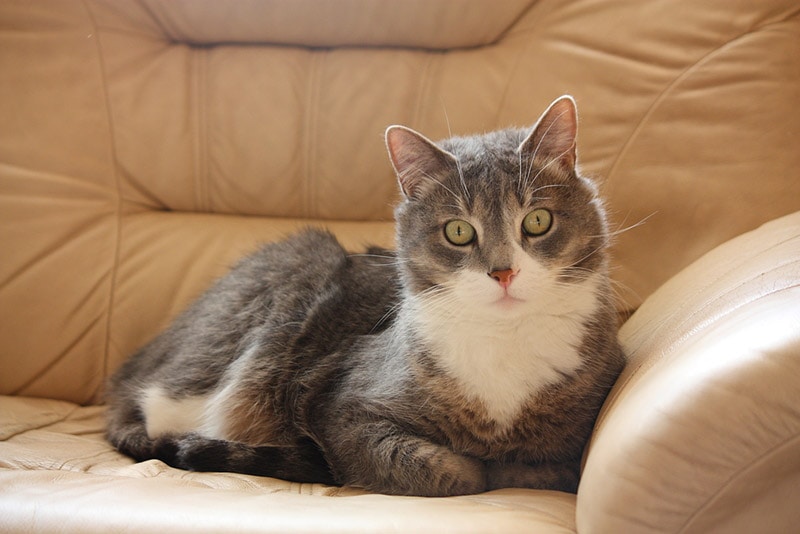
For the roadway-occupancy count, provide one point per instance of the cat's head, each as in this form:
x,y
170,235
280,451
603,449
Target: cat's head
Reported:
x,y
500,222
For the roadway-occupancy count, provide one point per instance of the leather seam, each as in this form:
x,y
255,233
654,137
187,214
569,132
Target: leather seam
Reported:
x,y
424,90
202,198
645,365
312,100
753,464
682,76
112,148
50,422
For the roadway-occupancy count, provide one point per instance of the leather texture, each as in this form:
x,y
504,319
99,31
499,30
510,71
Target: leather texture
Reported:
x,y
702,430
145,145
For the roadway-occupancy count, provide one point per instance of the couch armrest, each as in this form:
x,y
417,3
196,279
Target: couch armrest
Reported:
x,y
702,431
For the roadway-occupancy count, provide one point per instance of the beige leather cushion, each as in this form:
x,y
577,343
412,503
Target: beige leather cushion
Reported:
x,y
145,145
322,23
57,473
702,431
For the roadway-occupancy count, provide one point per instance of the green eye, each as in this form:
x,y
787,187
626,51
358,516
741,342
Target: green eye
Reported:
x,y
537,222
459,232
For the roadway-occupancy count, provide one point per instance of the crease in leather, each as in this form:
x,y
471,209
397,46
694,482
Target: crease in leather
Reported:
x,y
744,470
423,88
160,22
169,30
731,267
684,75
64,353
117,245
647,363
522,51
56,419
199,84
717,296
53,177
512,28
313,89
651,361
56,247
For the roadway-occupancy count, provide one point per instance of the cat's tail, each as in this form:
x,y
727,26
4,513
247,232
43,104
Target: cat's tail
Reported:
x,y
301,463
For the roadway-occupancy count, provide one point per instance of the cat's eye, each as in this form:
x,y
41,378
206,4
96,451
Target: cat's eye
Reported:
x,y
459,233
537,222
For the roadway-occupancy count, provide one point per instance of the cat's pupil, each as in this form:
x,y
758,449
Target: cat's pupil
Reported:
x,y
537,222
459,232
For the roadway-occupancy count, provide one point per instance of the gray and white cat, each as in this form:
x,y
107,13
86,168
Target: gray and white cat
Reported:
x,y
474,357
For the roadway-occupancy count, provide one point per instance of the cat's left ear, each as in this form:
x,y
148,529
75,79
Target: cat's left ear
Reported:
x,y
416,160
553,137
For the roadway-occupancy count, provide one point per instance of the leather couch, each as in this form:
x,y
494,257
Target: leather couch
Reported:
x,y
145,145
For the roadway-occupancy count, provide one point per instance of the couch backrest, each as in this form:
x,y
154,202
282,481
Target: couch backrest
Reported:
x,y
146,144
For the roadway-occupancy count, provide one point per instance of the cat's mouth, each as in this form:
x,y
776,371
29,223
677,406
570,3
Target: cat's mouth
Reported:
x,y
508,302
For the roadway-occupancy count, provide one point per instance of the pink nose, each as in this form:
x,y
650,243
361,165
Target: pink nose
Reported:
x,y
503,277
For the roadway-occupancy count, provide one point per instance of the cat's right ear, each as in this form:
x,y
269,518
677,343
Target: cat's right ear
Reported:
x,y
416,160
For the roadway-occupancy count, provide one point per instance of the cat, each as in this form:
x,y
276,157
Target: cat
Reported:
x,y
476,356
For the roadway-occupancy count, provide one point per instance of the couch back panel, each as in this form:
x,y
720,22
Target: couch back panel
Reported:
x,y
146,144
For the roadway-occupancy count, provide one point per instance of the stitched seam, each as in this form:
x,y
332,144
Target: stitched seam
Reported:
x,y
312,100
646,365
756,462
425,84
112,147
685,74
690,314
55,361
167,29
509,81
511,28
198,60
44,424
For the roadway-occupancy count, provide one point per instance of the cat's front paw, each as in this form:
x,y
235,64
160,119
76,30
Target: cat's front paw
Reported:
x,y
549,476
442,477
418,467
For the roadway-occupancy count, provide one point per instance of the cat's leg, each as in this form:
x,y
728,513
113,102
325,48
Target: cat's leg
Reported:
x,y
127,431
301,463
384,458
551,476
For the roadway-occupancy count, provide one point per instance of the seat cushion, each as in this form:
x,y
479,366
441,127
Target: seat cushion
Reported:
x,y
57,472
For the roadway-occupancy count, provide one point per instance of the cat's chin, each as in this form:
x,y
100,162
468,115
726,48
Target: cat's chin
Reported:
x,y
509,303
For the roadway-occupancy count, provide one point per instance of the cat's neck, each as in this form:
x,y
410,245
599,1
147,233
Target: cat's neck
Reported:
x,y
500,358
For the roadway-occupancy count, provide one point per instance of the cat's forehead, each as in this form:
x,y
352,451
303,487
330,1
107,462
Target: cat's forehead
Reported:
x,y
498,145
492,169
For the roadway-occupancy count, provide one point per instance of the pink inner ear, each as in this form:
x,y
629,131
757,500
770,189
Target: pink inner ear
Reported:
x,y
415,159
554,135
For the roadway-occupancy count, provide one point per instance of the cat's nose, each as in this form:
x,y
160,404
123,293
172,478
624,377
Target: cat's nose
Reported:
x,y
504,277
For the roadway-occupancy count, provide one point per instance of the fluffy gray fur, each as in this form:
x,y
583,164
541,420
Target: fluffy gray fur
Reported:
x,y
425,371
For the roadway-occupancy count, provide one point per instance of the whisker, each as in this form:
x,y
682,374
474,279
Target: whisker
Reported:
x,y
544,135
434,180
630,227
553,160
446,118
461,177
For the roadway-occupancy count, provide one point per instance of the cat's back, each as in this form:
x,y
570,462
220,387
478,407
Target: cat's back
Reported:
x,y
304,293
283,279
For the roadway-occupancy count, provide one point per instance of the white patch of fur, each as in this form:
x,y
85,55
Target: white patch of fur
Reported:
x,y
503,352
220,403
166,415
206,415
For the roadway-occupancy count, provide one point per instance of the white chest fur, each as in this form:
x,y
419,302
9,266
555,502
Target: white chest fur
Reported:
x,y
502,358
